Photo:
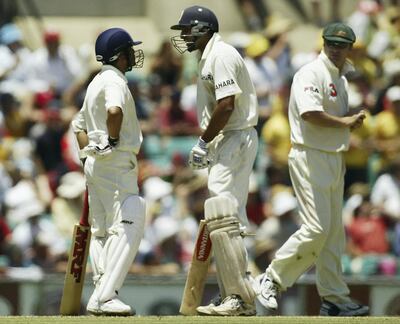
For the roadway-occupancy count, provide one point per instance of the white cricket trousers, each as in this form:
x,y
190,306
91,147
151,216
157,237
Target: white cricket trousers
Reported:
x,y
111,179
318,182
233,154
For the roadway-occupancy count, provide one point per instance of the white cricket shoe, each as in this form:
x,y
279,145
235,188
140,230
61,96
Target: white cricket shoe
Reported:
x,y
93,306
115,307
348,309
267,291
209,309
233,305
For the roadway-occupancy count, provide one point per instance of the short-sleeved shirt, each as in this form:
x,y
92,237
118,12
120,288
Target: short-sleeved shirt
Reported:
x,y
318,86
108,89
223,73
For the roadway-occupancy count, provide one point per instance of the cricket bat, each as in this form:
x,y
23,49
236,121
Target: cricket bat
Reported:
x,y
197,275
76,269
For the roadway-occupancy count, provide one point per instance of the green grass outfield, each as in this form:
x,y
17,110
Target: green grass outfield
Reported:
x,y
196,319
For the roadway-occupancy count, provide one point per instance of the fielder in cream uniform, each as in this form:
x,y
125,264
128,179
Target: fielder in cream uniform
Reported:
x,y
227,112
320,125
109,138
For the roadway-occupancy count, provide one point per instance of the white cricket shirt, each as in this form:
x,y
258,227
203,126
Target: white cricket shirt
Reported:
x,y
223,73
108,89
318,86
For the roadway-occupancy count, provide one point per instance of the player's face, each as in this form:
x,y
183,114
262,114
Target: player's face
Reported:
x,y
337,52
130,59
186,34
133,58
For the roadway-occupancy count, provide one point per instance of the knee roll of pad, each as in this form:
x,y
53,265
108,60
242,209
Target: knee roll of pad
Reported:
x,y
217,207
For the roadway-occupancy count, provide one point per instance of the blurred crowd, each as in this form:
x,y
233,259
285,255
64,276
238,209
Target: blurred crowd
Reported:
x,y
42,185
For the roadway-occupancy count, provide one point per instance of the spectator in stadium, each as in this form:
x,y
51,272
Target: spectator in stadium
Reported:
x,y
387,128
171,119
385,193
56,64
367,238
16,69
67,206
264,74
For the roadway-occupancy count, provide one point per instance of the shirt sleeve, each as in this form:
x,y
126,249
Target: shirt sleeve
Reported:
x,y
114,96
78,124
225,77
308,92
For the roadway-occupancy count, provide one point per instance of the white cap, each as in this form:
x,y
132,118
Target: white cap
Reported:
x,y
72,185
164,228
283,202
22,202
391,68
156,188
393,93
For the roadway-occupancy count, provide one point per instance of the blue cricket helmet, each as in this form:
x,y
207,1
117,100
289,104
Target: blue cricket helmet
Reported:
x,y
197,15
201,21
111,42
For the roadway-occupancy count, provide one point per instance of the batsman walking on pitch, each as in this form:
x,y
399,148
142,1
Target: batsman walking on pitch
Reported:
x,y
109,137
227,112
320,124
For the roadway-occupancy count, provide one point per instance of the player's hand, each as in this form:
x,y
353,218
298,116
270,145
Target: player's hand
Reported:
x,y
104,148
355,121
198,157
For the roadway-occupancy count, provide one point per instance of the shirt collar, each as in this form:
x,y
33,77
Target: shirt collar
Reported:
x,y
348,66
108,67
213,40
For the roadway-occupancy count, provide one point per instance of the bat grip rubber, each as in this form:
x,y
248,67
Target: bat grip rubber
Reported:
x,y
84,221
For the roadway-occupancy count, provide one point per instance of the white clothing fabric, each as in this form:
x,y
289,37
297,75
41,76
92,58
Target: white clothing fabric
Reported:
x,y
386,193
233,155
112,178
110,181
264,73
109,89
223,73
318,180
317,168
60,71
318,86
116,212
20,80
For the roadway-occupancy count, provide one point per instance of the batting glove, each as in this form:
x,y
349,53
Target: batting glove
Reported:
x,y
104,148
198,157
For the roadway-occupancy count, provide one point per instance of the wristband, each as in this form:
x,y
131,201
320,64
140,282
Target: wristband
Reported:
x,y
202,144
113,141
82,154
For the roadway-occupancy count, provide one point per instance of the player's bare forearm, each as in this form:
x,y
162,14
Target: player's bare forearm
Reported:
x,y
219,118
321,118
82,138
114,121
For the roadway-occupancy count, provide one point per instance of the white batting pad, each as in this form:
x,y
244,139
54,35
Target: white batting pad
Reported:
x,y
228,247
120,249
95,252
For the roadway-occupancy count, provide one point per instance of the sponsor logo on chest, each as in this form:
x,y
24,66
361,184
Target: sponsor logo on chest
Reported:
x,y
311,89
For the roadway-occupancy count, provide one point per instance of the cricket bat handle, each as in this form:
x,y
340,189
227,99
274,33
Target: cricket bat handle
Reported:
x,y
84,220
